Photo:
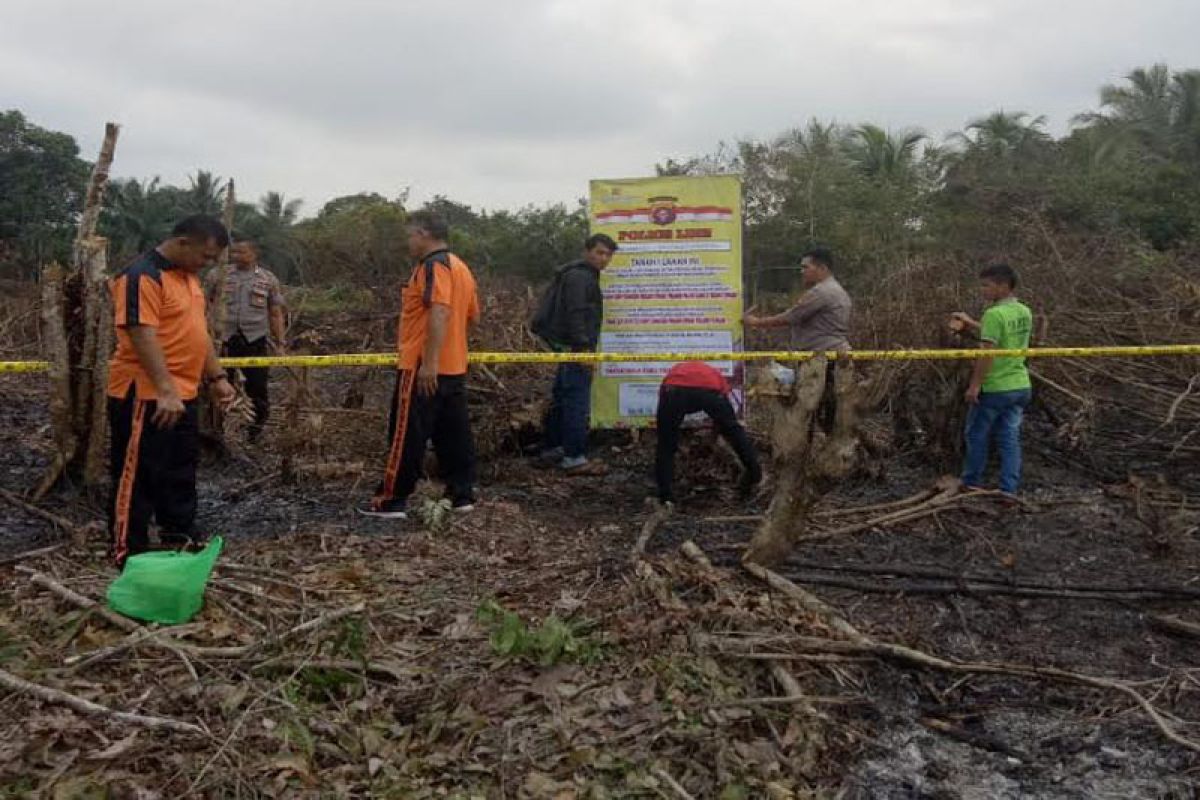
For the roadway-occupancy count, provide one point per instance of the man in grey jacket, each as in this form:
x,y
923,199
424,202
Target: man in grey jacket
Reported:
x,y
575,328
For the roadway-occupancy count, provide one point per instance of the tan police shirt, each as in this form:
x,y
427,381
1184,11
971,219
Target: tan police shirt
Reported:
x,y
250,294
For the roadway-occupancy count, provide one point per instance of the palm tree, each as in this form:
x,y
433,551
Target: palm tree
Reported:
x,y
1003,133
277,212
881,156
273,230
1155,115
205,194
139,215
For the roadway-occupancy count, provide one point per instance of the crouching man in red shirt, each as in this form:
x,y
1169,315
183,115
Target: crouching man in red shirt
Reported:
x,y
689,387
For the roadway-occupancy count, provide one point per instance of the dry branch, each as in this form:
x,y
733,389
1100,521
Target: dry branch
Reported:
x,y
1175,626
662,512
675,786
1149,591
59,521
124,623
832,513
87,707
84,660
75,598
368,668
980,588
860,643
38,553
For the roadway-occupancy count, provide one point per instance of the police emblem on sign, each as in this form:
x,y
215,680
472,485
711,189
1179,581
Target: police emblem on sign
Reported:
x,y
662,210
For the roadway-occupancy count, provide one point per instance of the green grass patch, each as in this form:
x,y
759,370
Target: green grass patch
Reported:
x,y
554,641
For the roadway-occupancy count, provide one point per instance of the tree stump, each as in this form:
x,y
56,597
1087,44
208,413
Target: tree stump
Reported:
x,y
78,336
807,466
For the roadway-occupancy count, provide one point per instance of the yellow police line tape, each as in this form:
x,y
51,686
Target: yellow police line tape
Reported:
x,y
389,359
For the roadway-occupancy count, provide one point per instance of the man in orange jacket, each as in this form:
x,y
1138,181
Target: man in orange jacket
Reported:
x,y
439,304
163,352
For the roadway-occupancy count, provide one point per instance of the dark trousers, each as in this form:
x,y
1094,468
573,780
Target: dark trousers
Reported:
x,y
566,422
255,378
413,421
153,474
675,403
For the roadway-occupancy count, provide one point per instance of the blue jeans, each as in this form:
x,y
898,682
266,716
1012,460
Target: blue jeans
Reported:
x,y
996,414
566,423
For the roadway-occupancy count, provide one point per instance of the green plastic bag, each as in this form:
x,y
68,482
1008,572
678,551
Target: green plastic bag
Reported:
x,y
166,587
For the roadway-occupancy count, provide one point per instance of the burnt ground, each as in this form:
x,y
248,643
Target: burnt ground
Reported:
x,y
473,720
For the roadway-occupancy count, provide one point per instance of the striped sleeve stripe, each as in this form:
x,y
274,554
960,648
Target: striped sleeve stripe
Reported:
x,y
133,291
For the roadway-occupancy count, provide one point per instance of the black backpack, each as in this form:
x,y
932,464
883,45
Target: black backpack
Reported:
x,y
547,323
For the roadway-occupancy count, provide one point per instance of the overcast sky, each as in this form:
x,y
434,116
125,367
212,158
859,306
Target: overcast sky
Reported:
x,y
501,103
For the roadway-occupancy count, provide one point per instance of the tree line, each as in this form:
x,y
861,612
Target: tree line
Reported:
x,y
1129,168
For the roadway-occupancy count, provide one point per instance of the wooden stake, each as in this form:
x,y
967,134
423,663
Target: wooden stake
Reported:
x,y
97,185
57,352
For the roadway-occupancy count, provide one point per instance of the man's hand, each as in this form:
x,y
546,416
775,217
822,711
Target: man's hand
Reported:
x,y
278,347
972,394
427,380
168,409
960,321
222,393
751,321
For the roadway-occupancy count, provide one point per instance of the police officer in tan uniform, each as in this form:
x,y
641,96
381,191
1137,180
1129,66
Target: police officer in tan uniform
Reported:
x,y
254,323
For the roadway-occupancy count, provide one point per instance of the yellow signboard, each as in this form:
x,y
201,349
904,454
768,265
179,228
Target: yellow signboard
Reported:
x,y
674,285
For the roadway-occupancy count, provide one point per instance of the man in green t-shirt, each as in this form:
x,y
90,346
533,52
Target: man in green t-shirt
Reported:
x,y
1000,388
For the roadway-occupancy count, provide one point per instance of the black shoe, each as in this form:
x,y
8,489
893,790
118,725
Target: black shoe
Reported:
x,y
463,505
383,509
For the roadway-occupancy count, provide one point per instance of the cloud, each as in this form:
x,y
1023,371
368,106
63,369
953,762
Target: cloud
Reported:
x,y
502,104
